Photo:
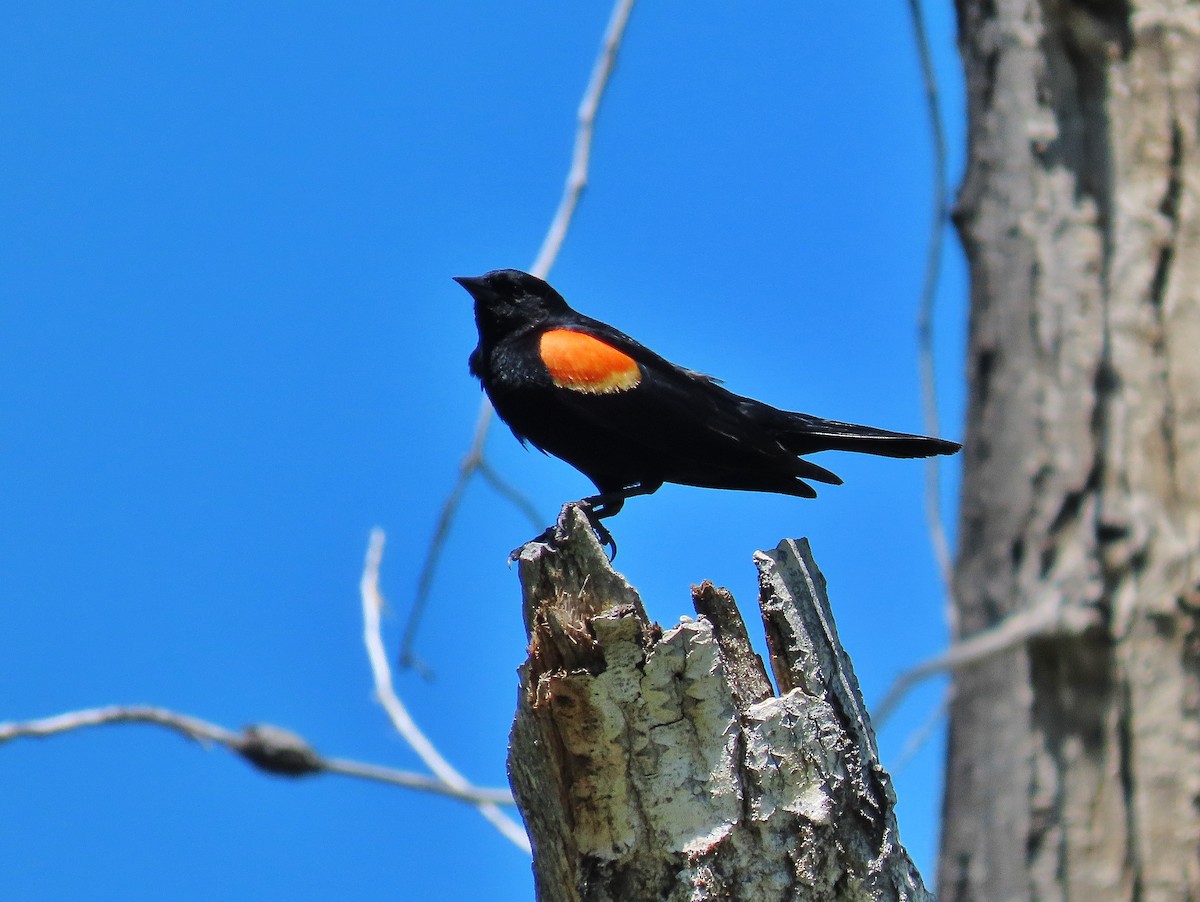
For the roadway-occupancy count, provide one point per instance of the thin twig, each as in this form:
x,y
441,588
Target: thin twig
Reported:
x,y
192,727
408,779
372,605
466,469
577,177
923,733
269,748
474,461
933,262
928,367
506,489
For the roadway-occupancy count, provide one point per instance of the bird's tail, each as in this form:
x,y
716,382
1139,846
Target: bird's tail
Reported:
x,y
804,434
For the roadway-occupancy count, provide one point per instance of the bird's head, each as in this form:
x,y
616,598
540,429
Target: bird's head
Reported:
x,y
508,300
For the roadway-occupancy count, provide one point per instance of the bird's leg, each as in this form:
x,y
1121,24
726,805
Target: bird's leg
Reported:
x,y
607,504
610,503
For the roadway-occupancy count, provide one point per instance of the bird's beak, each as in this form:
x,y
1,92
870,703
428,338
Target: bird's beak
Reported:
x,y
474,284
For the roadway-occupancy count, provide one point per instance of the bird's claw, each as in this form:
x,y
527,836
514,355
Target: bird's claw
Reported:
x,y
602,533
606,540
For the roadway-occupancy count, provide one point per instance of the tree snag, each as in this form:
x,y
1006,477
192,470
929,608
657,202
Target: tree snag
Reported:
x,y
660,765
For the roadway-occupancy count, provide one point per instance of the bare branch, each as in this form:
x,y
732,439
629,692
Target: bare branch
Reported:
x,y
191,727
474,462
577,177
372,605
1045,619
923,733
933,261
269,748
506,489
928,369
409,780
470,464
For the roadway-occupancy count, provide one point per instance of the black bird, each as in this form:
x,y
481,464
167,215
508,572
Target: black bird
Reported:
x,y
631,420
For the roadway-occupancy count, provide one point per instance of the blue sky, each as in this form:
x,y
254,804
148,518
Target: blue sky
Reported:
x,y
229,346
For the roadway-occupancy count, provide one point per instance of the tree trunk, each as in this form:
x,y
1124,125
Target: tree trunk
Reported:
x,y
659,765
1074,760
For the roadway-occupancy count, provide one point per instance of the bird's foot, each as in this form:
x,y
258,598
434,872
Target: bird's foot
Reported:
x,y
554,534
548,537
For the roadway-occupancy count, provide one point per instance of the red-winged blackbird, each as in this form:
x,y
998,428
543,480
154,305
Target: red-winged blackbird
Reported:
x,y
630,420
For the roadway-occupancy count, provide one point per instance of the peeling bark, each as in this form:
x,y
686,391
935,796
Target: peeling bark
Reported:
x,y
1074,762
659,764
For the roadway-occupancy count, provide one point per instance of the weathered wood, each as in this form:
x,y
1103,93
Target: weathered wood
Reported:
x,y
659,765
1074,763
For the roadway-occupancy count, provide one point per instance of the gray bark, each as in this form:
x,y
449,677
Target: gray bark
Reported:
x,y
655,764
1074,760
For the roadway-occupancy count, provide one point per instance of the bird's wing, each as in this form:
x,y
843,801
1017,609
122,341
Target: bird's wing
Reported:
x,y
800,433
641,400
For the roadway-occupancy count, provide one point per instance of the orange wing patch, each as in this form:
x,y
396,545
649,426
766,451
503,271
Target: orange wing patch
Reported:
x,y
586,364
